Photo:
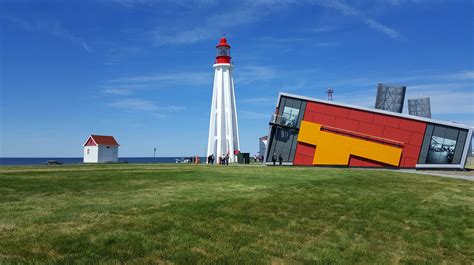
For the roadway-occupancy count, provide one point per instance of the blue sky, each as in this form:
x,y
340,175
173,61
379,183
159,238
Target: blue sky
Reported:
x,y
141,70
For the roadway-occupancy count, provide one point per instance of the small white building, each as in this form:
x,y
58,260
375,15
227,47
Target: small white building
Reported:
x,y
100,149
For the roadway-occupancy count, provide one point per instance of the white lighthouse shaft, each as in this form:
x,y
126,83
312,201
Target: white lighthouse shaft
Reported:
x,y
223,127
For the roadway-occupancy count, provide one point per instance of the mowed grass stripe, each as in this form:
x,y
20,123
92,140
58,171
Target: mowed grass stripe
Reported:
x,y
189,214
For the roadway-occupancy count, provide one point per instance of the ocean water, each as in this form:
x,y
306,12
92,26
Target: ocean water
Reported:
x,y
78,160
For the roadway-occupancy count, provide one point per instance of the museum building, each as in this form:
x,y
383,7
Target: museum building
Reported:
x,y
313,132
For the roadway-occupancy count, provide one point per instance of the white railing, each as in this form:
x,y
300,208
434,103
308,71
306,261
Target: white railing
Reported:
x,y
285,120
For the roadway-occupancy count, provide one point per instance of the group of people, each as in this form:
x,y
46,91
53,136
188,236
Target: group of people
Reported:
x,y
258,158
274,159
222,160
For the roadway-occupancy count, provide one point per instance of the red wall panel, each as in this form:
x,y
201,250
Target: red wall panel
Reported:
x,y
396,134
355,161
408,162
304,154
298,161
307,161
308,115
346,124
315,107
361,115
416,138
411,151
337,111
305,149
370,129
386,120
414,126
323,119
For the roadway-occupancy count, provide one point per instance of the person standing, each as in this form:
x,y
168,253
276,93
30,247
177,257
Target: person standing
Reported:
x,y
274,158
212,159
227,159
280,159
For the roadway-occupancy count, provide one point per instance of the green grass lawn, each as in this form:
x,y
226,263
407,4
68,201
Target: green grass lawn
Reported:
x,y
189,214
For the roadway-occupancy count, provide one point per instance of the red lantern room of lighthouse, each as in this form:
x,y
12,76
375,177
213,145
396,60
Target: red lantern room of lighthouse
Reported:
x,y
223,51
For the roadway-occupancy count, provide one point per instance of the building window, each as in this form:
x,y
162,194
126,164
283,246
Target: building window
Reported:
x,y
87,150
441,150
442,145
223,51
290,116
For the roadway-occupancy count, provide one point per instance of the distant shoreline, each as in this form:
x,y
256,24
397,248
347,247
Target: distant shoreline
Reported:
x,y
12,161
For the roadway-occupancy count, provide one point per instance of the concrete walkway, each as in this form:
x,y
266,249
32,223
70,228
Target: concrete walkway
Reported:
x,y
467,175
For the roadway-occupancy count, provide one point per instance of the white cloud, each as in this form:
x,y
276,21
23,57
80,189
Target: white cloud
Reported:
x,y
443,101
321,29
118,91
211,27
414,81
443,87
451,94
49,26
382,28
242,13
400,2
184,3
196,78
298,85
327,44
184,37
115,54
270,40
348,10
136,104
452,103
446,98
359,98
339,6
259,101
292,40
252,73
465,75
253,115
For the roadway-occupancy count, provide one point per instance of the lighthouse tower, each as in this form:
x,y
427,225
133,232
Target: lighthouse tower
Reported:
x,y
223,127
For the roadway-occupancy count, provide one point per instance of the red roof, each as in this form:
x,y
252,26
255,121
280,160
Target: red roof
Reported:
x,y
102,140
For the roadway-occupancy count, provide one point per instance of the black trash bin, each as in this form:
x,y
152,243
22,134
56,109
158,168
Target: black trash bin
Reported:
x,y
243,158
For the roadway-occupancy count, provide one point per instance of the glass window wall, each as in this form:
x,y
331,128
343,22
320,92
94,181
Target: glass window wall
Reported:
x,y
442,145
284,130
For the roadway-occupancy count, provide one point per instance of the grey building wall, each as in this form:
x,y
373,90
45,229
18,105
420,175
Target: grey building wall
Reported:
x,y
284,134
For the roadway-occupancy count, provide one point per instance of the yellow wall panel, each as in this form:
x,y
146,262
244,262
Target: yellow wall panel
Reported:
x,y
336,149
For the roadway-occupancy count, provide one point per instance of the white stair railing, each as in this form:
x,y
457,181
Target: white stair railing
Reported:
x,y
284,120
